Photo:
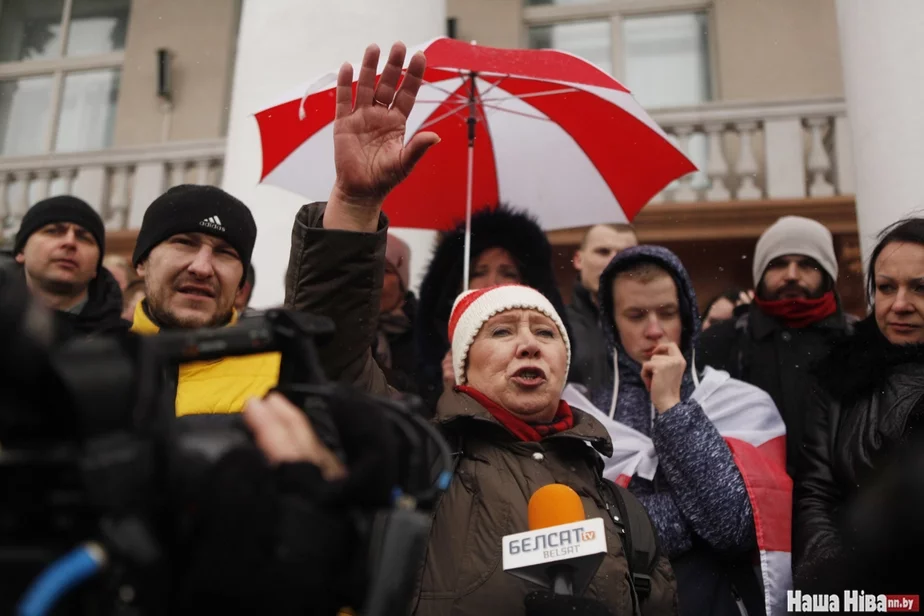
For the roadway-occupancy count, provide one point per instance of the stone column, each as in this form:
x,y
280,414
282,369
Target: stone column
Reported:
x,y
882,59
283,45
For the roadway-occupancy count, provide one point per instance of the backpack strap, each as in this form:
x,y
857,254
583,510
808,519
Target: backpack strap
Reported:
x,y
639,537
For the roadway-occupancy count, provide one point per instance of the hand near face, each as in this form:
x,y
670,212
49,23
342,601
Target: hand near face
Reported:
x,y
663,374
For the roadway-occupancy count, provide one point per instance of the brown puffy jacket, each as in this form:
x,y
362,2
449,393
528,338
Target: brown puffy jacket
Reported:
x,y
339,275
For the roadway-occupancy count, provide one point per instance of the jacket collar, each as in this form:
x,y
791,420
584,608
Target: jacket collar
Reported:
x,y
454,407
145,325
582,300
862,362
763,325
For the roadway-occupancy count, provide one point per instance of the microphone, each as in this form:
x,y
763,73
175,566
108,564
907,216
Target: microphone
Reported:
x,y
562,550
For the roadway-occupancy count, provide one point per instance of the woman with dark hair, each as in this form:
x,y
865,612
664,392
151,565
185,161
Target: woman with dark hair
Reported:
x,y
860,482
508,247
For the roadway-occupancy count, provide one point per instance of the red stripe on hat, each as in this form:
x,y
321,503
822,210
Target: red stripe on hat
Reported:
x,y
470,299
462,306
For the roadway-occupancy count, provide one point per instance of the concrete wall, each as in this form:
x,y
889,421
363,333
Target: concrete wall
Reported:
x,y
496,23
776,49
201,36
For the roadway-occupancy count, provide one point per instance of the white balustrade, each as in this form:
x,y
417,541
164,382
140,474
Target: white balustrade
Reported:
x,y
744,150
760,150
819,163
120,182
717,166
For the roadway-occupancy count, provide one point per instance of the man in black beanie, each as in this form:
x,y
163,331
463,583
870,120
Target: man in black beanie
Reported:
x,y
193,249
60,246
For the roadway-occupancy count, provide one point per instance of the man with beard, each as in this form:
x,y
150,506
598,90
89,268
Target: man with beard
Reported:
x,y
60,247
790,325
193,250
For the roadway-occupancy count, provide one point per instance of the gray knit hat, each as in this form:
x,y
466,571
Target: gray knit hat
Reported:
x,y
795,235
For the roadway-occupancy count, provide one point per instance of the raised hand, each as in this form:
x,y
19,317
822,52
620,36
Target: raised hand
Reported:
x,y
370,156
663,374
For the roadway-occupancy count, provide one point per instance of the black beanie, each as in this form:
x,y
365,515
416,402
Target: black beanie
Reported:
x,y
193,208
63,208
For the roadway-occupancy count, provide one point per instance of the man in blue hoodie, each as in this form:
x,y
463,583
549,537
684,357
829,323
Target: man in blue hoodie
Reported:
x,y
694,491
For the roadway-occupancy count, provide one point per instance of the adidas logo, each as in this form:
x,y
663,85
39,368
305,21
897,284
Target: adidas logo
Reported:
x,y
212,222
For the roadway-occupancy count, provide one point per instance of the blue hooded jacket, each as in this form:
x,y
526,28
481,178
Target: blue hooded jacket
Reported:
x,y
698,494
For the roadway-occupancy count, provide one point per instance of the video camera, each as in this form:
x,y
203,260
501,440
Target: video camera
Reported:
x,y
103,481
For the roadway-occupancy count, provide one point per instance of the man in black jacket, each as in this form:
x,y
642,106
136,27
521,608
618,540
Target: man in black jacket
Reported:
x,y
791,324
591,366
60,247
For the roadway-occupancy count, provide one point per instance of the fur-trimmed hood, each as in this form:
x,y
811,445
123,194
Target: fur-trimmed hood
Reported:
x,y
513,230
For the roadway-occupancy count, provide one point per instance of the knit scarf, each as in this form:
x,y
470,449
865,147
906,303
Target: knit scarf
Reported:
x,y
531,433
797,313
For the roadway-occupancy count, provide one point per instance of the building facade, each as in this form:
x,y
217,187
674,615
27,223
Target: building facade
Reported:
x,y
116,100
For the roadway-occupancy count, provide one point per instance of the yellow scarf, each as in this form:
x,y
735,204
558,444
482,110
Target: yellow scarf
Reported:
x,y
221,385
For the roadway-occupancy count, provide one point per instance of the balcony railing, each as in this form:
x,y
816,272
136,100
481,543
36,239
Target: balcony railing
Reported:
x,y
120,182
780,150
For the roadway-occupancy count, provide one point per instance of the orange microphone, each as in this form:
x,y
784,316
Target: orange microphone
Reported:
x,y
562,548
554,504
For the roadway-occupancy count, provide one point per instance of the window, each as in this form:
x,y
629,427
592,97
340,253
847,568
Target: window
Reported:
x,y
60,69
658,48
589,39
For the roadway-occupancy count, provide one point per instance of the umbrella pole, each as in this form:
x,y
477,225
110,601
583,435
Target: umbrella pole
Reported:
x,y
469,183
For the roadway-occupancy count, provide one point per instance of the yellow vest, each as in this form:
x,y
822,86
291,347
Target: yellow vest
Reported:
x,y
218,386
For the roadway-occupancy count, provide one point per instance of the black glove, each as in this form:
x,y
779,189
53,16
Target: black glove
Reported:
x,y
545,603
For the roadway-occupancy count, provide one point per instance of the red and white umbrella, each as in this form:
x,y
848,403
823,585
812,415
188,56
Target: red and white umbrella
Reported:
x,y
539,129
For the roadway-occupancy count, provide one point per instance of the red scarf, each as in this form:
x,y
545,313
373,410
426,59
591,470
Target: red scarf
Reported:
x,y
564,419
798,313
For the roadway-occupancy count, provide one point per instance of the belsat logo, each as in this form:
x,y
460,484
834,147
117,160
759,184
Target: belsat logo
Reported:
x,y
212,222
552,539
851,601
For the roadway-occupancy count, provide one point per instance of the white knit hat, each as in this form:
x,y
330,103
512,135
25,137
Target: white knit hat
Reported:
x,y
472,309
795,235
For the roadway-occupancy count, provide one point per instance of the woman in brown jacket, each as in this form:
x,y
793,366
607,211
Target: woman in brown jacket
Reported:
x,y
510,355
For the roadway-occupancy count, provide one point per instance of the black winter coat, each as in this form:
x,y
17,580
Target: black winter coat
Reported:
x,y
102,314
859,490
591,365
760,350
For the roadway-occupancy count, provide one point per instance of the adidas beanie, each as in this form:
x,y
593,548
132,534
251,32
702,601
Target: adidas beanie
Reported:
x,y
193,208
472,310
